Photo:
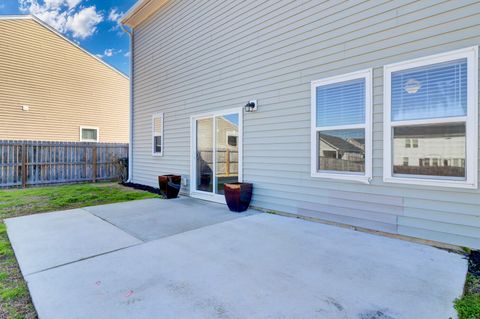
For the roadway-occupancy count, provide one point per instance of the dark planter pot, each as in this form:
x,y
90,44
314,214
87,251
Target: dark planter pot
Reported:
x,y
169,185
238,196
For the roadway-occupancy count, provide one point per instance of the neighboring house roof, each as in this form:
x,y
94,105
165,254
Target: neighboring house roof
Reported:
x,y
434,131
360,141
340,144
43,24
142,10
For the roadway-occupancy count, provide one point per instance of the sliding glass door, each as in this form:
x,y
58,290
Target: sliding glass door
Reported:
x,y
216,153
204,138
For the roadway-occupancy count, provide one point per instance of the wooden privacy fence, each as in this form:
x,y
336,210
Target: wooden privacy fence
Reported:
x,y
333,164
227,161
25,163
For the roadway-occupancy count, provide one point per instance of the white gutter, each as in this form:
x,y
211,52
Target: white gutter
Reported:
x,y
130,144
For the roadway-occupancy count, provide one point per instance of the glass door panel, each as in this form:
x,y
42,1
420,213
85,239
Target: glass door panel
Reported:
x,y
226,150
204,158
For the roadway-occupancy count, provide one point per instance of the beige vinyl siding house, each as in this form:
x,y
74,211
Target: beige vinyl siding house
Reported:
x,y
195,60
51,89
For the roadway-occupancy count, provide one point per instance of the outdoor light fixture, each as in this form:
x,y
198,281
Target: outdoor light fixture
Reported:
x,y
251,106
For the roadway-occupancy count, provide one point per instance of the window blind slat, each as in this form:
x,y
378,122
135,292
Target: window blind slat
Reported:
x,y
341,103
434,91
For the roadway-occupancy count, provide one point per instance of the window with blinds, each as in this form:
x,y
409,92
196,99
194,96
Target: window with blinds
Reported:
x,y
157,134
341,130
431,125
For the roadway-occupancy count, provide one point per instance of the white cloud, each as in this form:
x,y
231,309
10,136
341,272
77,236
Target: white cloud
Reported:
x,y
84,23
127,54
109,53
73,3
53,4
115,15
64,15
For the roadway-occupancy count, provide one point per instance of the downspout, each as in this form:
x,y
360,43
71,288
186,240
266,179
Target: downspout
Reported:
x,y
130,144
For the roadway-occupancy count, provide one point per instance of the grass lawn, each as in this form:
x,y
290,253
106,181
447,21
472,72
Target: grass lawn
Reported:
x,y
15,301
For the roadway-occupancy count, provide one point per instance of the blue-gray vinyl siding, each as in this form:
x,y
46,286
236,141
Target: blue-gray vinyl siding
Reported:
x,y
192,57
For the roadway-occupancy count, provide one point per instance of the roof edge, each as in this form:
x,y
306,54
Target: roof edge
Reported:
x,y
141,11
15,17
45,25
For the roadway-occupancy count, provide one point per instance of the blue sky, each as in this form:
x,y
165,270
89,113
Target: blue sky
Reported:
x,y
93,24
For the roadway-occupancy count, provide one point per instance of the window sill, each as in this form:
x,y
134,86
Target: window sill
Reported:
x,y
343,177
157,154
430,182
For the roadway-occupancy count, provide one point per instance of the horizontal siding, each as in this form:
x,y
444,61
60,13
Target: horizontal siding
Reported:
x,y
64,87
194,57
448,237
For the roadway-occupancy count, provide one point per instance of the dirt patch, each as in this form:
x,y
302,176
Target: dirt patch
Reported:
x,y
474,263
472,286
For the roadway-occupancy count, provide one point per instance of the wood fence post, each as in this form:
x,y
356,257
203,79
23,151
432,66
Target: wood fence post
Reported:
x,y
94,160
24,165
85,163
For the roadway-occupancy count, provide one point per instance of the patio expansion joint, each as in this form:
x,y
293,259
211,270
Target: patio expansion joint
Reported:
x,y
141,242
110,223
83,259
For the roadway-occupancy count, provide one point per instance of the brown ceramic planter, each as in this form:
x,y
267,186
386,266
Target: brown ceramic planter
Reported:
x,y
169,185
238,196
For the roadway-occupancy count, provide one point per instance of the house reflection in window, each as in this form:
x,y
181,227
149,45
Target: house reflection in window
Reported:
x,y
440,150
342,150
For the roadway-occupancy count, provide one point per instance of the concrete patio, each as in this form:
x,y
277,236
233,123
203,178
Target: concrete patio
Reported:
x,y
186,258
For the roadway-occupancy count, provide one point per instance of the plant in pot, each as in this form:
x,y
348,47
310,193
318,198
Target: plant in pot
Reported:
x,y
238,196
170,185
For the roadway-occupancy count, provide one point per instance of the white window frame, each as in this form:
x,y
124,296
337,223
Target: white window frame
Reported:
x,y
471,120
365,177
155,134
89,128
